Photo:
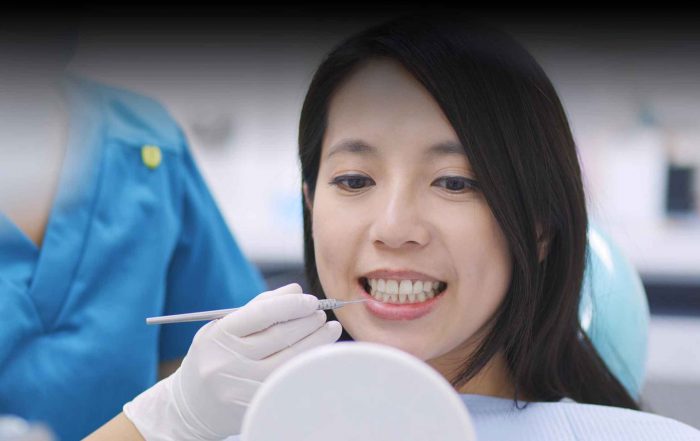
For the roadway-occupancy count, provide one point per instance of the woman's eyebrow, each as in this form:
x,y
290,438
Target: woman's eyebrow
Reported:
x,y
445,148
351,146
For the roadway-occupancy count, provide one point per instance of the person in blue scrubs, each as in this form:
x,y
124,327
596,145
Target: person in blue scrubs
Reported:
x,y
132,232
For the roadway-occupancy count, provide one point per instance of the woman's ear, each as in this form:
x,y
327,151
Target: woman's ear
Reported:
x,y
542,244
542,249
307,198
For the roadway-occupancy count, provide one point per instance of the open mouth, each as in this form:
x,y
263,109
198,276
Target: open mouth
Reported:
x,y
402,291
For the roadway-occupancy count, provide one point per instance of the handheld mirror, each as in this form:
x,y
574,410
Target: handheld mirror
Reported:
x,y
356,391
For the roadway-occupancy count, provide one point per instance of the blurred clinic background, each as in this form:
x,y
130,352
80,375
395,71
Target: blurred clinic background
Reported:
x,y
630,85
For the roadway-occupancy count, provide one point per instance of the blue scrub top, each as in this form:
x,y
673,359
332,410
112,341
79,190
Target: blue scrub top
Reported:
x,y
124,241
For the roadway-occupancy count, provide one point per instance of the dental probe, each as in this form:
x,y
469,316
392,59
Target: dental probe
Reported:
x,y
323,304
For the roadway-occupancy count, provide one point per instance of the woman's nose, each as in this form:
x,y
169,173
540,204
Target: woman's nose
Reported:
x,y
399,221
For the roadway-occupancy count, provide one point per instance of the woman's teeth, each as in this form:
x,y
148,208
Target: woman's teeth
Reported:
x,y
403,291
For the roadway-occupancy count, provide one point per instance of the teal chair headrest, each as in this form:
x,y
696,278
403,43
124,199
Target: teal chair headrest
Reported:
x,y
614,311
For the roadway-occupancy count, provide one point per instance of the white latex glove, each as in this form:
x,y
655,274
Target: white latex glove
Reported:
x,y
206,398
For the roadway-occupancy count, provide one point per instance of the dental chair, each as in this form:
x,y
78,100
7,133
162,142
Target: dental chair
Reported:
x,y
614,311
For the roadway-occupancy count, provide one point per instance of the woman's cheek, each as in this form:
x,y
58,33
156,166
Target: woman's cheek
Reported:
x,y
330,251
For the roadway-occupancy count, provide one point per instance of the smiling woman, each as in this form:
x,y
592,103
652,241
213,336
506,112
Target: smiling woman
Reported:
x,y
436,155
396,193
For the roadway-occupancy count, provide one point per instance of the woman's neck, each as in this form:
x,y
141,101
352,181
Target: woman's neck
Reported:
x,y
493,380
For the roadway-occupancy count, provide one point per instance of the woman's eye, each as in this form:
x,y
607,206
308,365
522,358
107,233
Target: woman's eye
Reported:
x,y
456,184
352,182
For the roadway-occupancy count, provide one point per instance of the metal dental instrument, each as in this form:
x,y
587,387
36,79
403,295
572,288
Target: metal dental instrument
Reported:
x,y
323,304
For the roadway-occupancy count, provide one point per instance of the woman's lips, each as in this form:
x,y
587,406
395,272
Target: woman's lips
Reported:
x,y
397,311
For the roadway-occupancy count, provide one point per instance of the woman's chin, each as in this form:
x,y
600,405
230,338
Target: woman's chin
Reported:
x,y
411,347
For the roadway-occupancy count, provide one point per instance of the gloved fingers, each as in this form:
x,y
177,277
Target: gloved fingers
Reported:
x,y
278,337
204,331
292,288
258,316
326,334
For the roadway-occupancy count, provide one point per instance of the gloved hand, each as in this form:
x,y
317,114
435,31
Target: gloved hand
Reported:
x,y
206,398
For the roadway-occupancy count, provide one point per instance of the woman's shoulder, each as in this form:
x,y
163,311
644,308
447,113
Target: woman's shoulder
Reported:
x,y
496,418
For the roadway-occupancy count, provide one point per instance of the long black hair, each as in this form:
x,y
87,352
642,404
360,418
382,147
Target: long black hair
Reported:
x,y
508,116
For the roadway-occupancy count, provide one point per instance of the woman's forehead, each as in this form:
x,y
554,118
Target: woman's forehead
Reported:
x,y
381,104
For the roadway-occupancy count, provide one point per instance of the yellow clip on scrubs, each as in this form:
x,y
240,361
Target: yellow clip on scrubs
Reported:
x,y
151,156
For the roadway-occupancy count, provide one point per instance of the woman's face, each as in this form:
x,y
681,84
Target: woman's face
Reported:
x,y
396,217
